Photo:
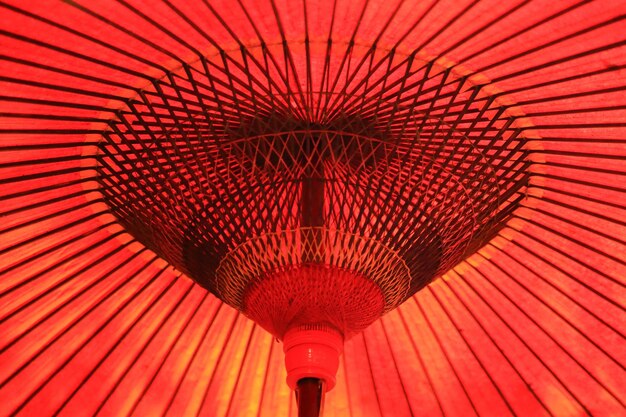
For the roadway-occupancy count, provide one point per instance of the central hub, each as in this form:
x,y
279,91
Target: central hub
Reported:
x,y
312,275
343,300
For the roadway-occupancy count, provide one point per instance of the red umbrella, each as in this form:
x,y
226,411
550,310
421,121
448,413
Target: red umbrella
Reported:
x,y
438,184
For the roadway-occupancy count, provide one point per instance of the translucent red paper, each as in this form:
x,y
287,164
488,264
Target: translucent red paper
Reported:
x,y
531,324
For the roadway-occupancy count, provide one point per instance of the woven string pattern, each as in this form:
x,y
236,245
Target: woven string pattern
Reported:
x,y
234,177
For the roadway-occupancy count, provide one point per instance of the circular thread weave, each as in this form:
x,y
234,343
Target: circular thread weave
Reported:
x,y
265,255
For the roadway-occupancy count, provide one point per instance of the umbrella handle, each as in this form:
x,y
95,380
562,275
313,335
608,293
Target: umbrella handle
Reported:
x,y
310,397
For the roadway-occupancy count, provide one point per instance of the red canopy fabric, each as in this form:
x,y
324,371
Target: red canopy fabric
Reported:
x,y
531,323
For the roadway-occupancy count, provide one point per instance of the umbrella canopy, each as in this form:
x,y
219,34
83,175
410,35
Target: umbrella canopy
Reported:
x,y
119,124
